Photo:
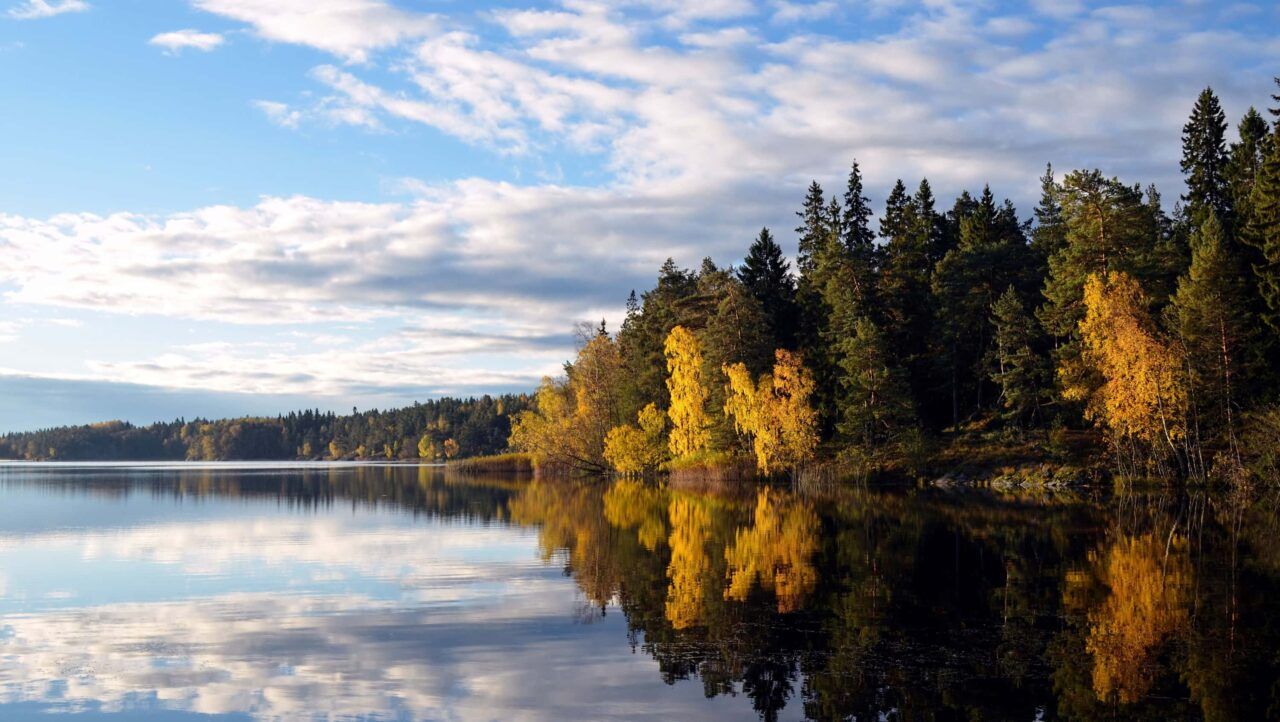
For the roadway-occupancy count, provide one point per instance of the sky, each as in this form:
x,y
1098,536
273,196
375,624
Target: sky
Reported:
x,y
230,207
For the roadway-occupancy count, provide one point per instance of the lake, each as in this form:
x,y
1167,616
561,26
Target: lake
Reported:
x,y
365,592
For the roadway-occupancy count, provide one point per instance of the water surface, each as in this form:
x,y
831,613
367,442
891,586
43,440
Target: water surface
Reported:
x,y
361,592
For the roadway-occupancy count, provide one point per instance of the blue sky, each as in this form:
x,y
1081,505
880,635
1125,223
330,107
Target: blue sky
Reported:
x,y
216,207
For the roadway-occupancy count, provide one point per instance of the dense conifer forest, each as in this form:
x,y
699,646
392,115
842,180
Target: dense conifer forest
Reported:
x,y
951,333
433,430
933,335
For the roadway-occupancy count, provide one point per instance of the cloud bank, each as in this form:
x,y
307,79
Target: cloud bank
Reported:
x,y
696,126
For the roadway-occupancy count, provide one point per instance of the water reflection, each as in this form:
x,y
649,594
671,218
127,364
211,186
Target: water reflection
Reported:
x,y
404,593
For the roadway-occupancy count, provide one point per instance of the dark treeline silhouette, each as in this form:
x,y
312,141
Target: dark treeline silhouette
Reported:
x,y
443,428
1102,318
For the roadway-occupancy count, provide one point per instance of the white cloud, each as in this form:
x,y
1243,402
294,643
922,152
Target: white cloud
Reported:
x,y
701,135
279,113
35,9
179,40
350,29
785,11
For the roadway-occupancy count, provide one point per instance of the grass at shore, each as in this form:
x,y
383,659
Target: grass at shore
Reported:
x,y
512,463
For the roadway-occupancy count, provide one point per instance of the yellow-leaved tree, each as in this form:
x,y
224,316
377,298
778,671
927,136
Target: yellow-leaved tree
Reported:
x,y
690,424
775,412
571,417
639,449
1136,386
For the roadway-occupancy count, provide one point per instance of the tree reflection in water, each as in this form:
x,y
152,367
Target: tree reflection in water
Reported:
x,y
904,603
882,603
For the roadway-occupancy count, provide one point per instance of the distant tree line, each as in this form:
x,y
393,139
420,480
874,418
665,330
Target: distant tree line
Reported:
x,y
1157,332
434,430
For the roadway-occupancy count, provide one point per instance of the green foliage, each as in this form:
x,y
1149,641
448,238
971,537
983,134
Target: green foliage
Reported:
x,y
766,275
479,425
1022,371
1263,231
1214,326
1204,161
875,401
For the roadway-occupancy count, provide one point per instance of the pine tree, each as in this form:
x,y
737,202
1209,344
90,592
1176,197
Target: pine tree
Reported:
x,y
857,234
1214,326
1023,373
1107,226
1204,161
1245,162
766,274
926,223
1275,112
1050,233
875,401
893,224
813,230
1263,232
905,307
992,254
859,240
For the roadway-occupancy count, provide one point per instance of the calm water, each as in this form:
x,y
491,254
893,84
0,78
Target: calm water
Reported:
x,y
395,593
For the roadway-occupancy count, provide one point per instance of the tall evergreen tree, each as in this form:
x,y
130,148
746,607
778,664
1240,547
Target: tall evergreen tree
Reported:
x,y
766,275
1275,112
1023,373
1204,161
1107,226
1263,232
875,402
1050,233
857,234
926,224
858,238
1214,325
1245,161
813,230
894,221
992,255
905,306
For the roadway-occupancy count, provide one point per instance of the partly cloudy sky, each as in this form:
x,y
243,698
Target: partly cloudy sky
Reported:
x,y
223,207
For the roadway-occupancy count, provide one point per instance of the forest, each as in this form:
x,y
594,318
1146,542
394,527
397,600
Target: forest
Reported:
x,y
433,430
932,339
1100,323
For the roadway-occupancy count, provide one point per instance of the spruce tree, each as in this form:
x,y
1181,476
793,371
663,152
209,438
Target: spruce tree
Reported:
x,y
926,224
766,275
1022,371
1214,325
992,254
1263,232
857,234
905,307
813,229
1050,233
1275,112
858,238
1204,161
893,223
875,403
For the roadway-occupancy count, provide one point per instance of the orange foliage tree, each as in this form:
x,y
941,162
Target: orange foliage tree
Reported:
x,y
1137,387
